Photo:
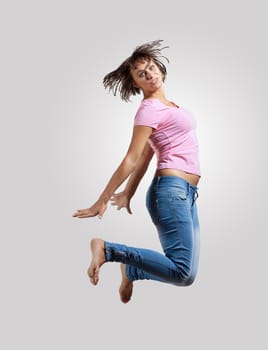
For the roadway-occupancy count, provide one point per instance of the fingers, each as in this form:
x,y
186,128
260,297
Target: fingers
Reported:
x,y
115,198
96,209
129,210
116,201
122,204
77,213
83,213
81,216
119,206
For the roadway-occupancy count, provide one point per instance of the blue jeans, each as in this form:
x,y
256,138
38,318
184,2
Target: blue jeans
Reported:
x,y
171,203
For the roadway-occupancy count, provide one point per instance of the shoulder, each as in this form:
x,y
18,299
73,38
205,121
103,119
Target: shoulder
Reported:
x,y
147,114
148,103
147,107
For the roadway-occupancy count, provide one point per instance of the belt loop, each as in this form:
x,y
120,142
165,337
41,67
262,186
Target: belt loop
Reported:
x,y
188,188
195,196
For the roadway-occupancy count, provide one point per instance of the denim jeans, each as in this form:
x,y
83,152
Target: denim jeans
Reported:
x,y
171,203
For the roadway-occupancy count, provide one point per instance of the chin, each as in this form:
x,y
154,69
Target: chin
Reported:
x,y
157,87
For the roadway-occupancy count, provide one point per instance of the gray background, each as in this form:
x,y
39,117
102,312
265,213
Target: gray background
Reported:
x,y
62,136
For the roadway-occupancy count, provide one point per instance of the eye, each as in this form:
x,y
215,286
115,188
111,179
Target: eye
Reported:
x,y
152,67
141,74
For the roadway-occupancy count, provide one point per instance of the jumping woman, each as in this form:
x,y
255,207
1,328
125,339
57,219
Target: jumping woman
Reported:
x,y
168,130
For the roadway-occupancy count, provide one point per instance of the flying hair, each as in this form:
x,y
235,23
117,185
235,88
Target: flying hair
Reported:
x,y
120,80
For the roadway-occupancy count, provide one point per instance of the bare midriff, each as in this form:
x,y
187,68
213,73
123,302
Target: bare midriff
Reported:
x,y
191,178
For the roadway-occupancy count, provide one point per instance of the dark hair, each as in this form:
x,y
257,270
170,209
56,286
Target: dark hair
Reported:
x,y
121,79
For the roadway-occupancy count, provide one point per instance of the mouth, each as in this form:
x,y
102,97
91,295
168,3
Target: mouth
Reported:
x,y
154,81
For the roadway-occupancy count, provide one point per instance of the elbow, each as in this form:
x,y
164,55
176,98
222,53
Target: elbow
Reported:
x,y
130,162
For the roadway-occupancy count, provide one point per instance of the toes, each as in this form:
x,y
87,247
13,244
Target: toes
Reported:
x,y
93,279
96,275
125,300
93,274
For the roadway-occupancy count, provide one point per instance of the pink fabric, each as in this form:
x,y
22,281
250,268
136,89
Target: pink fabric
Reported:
x,y
173,138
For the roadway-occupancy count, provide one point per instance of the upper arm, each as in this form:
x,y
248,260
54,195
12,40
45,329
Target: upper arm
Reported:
x,y
148,152
138,143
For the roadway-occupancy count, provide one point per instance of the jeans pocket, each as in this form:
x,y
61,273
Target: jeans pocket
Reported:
x,y
163,205
179,194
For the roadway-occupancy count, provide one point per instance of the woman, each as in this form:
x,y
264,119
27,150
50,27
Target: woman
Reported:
x,y
168,130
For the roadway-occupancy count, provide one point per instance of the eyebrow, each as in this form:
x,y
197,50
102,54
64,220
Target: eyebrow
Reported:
x,y
142,70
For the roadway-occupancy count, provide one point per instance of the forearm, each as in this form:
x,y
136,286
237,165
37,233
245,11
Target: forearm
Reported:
x,y
138,173
120,175
135,178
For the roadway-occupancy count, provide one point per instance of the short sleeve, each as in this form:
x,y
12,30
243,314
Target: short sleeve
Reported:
x,y
147,115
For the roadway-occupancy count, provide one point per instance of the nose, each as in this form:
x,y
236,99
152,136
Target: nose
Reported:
x,y
148,75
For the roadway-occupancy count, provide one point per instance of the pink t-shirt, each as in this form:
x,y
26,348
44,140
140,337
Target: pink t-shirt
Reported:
x,y
173,138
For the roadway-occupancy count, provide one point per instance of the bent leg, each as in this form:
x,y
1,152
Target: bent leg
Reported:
x,y
172,207
171,204
142,263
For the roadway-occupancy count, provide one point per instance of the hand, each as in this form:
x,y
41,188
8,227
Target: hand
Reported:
x,y
96,209
122,201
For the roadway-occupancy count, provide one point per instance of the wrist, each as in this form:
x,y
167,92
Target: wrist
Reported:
x,y
103,199
129,194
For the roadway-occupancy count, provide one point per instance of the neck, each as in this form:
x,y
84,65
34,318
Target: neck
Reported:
x,y
159,94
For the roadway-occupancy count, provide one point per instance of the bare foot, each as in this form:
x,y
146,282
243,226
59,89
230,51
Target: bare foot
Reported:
x,y
126,286
98,259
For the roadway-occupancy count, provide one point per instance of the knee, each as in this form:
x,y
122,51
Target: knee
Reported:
x,y
186,280
189,281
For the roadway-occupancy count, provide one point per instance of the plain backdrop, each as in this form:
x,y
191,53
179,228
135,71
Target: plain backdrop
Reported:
x,y
63,135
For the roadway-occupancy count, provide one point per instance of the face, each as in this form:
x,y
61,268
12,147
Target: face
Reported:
x,y
147,76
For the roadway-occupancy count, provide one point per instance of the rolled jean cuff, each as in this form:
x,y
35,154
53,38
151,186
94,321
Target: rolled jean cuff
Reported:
x,y
113,254
130,275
